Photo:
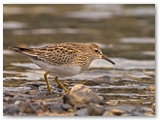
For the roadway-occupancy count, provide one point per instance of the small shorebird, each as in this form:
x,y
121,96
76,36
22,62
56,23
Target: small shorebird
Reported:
x,y
64,59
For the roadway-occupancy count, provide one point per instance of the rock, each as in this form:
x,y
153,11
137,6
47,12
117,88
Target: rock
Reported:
x,y
5,99
147,103
7,94
66,106
133,96
80,94
114,112
42,105
13,100
117,112
11,110
81,112
103,79
101,97
26,107
31,92
136,114
17,102
141,111
107,113
70,110
151,88
95,109
40,112
153,106
16,89
67,100
56,108
149,114
112,102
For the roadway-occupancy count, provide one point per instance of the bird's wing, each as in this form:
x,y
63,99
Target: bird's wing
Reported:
x,y
57,53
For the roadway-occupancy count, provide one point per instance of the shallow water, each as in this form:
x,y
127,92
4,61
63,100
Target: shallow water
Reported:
x,y
126,33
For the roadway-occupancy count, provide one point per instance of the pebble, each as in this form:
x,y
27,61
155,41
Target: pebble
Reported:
x,y
151,88
107,113
95,109
17,102
7,94
141,111
147,103
67,100
66,106
5,99
153,106
82,112
114,112
136,114
104,79
133,97
56,108
149,114
26,107
112,102
31,92
13,100
70,110
41,106
11,110
81,101
117,112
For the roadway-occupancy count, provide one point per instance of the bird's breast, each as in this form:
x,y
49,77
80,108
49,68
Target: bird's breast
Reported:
x,y
64,70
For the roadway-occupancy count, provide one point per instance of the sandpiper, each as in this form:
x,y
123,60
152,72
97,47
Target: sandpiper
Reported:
x,y
63,59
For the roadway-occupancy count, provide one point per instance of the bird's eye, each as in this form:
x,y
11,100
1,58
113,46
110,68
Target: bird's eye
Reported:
x,y
96,51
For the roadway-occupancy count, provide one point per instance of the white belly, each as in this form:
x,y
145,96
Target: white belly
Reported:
x,y
60,70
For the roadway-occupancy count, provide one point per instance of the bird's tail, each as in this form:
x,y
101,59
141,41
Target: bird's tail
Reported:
x,y
25,51
17,49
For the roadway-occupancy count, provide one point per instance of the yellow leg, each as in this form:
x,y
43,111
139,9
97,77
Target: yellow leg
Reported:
x,y
45,77
61,85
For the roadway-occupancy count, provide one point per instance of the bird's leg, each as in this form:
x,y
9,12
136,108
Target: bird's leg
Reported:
x,y
61,85
45,77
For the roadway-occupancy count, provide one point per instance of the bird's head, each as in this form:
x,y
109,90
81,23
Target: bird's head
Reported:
x,y
97,53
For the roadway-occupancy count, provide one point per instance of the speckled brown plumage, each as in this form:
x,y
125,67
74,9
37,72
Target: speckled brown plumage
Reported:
x,y
64,53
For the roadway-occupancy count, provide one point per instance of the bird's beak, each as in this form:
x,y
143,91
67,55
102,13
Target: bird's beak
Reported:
x,y
106,58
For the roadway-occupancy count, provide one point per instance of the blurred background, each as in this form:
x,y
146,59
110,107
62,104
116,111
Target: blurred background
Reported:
x,y
126,33
116,26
